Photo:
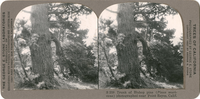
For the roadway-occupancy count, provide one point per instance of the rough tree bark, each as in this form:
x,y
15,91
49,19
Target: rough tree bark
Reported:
x,y
41,51
128,51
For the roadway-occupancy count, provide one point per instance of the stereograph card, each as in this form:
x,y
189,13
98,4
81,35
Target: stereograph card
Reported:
x,y
99,49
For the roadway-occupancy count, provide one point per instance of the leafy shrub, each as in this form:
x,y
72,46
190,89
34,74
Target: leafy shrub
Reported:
x,y
177,75
90,75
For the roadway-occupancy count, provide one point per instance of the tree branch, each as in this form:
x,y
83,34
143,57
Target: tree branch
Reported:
x,y
56,13
148,21
146,52
57,5
20,58
140,12
143,5
144,44
62,59
27,11
112,11
104,50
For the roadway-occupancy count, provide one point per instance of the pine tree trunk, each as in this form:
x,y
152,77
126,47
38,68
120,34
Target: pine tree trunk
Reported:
x,y
128,51
41,52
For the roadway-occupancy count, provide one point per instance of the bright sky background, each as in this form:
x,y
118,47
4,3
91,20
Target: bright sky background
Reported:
x,y
174,22
89,22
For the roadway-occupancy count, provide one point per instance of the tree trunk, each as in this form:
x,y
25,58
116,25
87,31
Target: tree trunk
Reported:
x,y
127,52
41,51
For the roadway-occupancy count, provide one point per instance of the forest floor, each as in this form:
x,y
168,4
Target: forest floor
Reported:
x,y
74,84
163,84
64,83
167,85
152,84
